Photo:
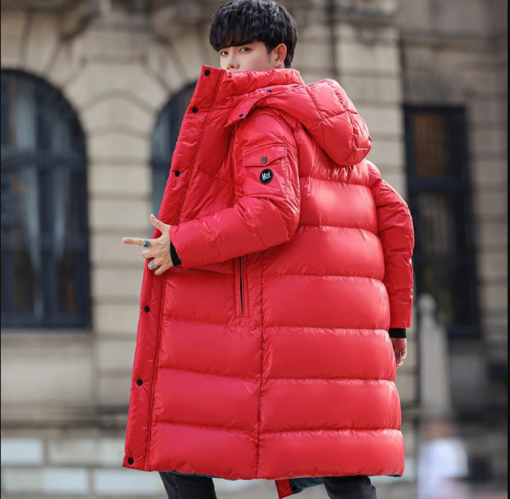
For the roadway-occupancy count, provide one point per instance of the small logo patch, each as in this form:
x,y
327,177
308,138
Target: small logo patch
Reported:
x,y
266,176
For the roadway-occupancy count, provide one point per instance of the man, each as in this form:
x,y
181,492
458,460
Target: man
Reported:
x,y
275,305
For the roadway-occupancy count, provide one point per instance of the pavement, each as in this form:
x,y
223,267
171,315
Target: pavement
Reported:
x,y
267,490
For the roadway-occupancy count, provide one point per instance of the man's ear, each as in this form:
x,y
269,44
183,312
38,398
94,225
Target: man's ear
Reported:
x,y
280,53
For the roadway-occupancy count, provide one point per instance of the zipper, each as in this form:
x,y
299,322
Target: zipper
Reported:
x,y
241,283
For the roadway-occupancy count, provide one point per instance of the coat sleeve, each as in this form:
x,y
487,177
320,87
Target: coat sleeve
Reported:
x,y
267,209
396,232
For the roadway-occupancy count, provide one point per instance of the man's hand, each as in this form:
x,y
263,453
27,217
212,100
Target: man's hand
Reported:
x,y
159,248
400,346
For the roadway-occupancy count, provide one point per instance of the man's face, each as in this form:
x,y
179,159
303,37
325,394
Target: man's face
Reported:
x,y
252,57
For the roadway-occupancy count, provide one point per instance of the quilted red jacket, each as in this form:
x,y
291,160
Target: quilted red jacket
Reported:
x,y
252,359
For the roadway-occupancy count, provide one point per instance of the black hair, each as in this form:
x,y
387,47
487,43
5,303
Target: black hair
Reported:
x,y
241,22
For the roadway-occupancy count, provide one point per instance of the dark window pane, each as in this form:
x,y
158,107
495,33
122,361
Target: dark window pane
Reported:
x,y
68,298
437,224
25,282
45,263
440,200
432,145
5,114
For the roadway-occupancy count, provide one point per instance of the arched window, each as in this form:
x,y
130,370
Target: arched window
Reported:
x,y
45,249
164,139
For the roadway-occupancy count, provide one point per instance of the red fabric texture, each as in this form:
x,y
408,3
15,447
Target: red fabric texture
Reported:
x,y
283,488
254,360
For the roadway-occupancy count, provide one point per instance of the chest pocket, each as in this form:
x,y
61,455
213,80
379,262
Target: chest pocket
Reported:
x,y
266,170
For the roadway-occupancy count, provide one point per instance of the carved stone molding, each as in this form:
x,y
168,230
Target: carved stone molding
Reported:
x,y
198,12
36,4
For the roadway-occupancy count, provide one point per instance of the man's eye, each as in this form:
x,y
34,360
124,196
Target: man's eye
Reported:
x,y
223,52
245,49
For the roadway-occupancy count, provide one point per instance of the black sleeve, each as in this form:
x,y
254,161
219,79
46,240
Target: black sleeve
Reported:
x,y
173,253
398,333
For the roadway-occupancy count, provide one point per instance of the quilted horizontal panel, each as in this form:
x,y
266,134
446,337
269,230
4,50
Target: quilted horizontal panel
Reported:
x,y
338,204
331,404
336,251
200,449
204,296
325,301
206,399
312,352
331,453
227,349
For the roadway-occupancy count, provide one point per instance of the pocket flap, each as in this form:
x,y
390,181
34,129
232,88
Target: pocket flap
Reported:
x,y
263,156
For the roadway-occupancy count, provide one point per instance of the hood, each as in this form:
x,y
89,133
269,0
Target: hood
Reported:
x,y
323,108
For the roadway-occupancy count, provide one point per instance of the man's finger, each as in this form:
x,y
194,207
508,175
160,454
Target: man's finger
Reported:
x,y
133,241
158,223
401,359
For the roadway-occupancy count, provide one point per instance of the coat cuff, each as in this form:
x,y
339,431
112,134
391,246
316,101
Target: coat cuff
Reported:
x,y
173,253
398,333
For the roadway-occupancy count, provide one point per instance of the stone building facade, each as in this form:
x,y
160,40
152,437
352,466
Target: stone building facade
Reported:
x,y
65,392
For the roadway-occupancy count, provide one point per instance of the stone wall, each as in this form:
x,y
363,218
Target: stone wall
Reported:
x,y
81,463
455,54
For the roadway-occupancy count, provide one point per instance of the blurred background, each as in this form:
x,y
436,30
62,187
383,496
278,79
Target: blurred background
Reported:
x,y
93,94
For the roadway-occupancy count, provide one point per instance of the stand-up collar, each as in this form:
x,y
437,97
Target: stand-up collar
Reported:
x,y
227,88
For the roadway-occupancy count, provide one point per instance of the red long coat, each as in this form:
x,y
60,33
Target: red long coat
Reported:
x,y
266,354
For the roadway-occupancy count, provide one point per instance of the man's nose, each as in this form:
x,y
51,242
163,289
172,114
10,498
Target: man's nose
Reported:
x,y
232,63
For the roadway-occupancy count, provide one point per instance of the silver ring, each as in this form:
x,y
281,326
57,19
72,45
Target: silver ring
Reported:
x,y
152,265
146,243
